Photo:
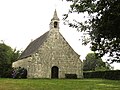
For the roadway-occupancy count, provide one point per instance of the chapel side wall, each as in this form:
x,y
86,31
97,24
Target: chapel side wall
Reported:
x,y
24,63
21,63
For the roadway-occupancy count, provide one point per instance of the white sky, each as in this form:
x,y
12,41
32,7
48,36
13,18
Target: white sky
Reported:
x,y
24,20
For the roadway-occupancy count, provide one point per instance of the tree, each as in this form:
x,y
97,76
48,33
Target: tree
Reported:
x,y
103,25
94,63
7,56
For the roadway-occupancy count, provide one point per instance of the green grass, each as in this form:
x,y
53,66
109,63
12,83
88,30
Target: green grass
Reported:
x,y
59,84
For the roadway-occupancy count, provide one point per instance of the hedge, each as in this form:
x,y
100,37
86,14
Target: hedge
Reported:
x,y
113,74
71,76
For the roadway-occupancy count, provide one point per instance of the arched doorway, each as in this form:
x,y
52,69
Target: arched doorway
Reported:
x,y
54,72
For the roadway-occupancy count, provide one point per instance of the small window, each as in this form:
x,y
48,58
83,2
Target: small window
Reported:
x,y
55,24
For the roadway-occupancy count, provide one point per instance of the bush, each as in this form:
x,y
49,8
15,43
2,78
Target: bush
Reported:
x,y
7,74
19,73
113,74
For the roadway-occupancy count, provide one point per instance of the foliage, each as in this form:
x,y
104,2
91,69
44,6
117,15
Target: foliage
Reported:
x,y
113,75
59,84
94,63
7,56
103,25
19,73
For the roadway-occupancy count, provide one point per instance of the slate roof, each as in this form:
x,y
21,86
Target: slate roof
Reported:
x,y
33,46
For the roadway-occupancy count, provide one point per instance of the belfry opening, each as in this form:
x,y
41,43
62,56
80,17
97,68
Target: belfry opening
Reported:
x,y
55,24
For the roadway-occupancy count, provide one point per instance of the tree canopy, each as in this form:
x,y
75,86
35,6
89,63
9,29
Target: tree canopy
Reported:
x,y
103,25
93,63
7,56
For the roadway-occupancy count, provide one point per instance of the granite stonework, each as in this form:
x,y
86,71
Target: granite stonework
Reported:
x,y
54,51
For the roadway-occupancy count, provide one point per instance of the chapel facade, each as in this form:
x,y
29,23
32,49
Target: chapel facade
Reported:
x,y
50,56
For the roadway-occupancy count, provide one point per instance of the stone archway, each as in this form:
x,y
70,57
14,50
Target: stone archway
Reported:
x,y
54,72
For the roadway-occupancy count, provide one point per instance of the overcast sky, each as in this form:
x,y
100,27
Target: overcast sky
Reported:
x,y
24,20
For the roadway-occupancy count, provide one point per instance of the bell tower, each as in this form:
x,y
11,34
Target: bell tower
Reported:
x,y
54,24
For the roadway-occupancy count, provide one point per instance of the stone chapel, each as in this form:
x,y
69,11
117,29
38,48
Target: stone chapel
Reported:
x,y
50,56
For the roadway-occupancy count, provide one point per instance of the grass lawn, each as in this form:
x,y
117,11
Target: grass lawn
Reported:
x,y
59,84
